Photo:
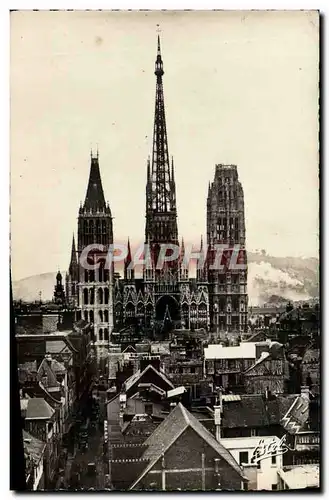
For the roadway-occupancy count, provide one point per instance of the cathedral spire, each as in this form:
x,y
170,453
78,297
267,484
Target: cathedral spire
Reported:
x,y
161,197
74,261
95,195
161,213
128,273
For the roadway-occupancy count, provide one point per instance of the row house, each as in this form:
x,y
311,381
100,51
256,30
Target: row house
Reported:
x,y
34,455
40,420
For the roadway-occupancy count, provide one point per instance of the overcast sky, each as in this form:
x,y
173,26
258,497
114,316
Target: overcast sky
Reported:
x,y
239,88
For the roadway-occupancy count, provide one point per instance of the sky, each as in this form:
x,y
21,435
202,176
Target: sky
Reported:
x,y
240,88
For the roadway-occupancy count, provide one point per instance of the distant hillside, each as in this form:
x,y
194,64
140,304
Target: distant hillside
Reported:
x,y
284,277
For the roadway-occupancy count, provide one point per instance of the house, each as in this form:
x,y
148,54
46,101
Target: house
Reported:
x,y
181,454
71,347
269,371
34,450
39,420
301,422
249,415
264,453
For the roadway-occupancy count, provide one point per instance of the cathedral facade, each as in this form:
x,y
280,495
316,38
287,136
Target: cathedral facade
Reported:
x,y
214,299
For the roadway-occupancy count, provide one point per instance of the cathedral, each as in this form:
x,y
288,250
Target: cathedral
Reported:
x,y
216,299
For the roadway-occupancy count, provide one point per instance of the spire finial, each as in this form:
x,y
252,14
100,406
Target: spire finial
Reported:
x,y
158,63
97,152
159,46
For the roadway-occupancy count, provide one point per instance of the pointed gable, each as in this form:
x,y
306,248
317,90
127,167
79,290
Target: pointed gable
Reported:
x,y
169,431
148,375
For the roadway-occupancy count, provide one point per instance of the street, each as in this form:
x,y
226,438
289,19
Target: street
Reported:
x,y
88,449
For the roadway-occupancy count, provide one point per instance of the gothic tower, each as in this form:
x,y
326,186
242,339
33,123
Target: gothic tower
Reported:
x,y
161,212
72,278
59,294
228,300
95,237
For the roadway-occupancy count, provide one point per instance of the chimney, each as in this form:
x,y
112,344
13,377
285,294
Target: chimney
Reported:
x,y
218,418
48,358
219,391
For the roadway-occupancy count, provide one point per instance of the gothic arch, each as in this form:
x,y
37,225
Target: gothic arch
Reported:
x,y
167,302
130,310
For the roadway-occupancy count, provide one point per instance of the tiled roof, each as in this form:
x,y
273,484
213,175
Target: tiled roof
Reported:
x,y
169,431
136,376
255,411
46,369
33,447
38,408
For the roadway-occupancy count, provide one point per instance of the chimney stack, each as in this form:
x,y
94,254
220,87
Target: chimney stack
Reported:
x,y
218,418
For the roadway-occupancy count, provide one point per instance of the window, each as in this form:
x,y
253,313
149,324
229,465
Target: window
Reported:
x,y
274,486
243,457
273,458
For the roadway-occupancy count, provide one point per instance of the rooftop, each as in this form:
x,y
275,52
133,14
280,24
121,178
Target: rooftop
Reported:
x,y
38,408
246,350
301,476
169,431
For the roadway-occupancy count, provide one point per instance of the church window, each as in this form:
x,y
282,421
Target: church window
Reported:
x,y
100,334
106,316
91,316
85,296
106,296
92,296
86,315
100,313
100,296
106,334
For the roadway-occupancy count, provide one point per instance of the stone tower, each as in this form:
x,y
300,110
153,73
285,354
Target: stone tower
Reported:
x,y
59,294
228,298
95,238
